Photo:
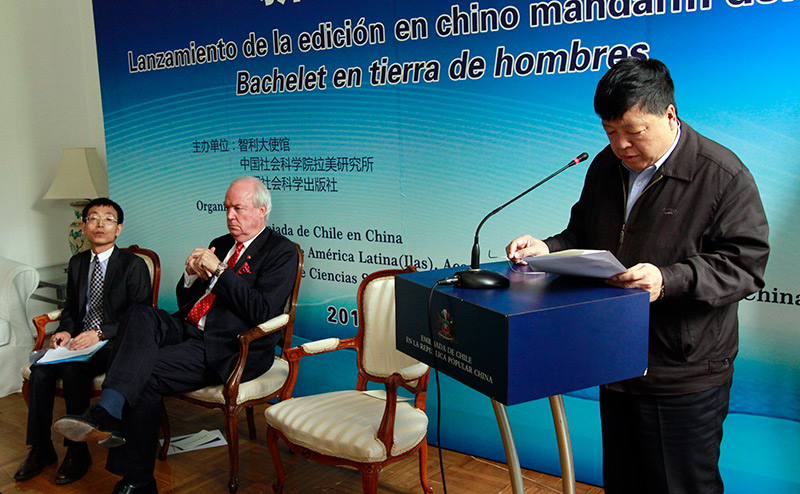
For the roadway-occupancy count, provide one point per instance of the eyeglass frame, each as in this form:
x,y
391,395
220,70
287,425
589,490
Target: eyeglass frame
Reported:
x,y
108,221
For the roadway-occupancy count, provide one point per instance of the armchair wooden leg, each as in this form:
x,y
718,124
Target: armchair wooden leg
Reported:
x,y
423,467
162,453
25,391
251,423
369,478
272,445
231,419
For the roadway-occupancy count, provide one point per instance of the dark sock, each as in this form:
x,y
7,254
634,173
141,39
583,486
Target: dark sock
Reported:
x,y
113,402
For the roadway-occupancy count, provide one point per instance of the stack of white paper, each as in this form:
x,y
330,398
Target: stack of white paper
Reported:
x,y
64,354
577,262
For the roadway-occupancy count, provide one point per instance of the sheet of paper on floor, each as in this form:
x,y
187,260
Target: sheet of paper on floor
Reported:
x,y
198,440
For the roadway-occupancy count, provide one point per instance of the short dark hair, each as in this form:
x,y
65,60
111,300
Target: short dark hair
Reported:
x,y
104,201
633,81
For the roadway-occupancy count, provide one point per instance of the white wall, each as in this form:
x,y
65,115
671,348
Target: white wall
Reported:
x,y
49,100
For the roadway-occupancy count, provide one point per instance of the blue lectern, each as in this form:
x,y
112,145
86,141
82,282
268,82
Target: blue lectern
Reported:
x,y
543,336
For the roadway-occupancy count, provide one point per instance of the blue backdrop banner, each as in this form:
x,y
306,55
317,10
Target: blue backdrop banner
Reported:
x,y
387,130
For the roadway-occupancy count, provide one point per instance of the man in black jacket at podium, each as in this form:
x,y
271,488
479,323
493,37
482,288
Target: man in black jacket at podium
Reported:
x,y
684,214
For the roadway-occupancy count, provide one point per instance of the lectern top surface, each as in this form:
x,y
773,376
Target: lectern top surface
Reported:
x,y
528,292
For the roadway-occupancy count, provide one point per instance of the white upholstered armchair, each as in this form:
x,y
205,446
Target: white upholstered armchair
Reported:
x,y
17,283
360,428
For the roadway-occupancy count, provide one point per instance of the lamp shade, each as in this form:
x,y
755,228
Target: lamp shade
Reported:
x,y
81,176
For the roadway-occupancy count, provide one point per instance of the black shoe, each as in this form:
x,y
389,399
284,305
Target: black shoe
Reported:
x,y
94,424
124,487
39,457
75,465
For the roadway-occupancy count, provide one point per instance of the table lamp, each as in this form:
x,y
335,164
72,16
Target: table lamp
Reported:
x,y
80,178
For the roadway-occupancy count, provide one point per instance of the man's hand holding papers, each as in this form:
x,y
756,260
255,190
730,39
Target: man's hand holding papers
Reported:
x,y
644,276
599,264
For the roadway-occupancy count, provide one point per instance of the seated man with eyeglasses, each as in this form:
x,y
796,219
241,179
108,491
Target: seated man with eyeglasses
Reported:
x,y
120,279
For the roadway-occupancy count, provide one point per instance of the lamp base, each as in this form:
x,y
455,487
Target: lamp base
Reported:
x,y
77,240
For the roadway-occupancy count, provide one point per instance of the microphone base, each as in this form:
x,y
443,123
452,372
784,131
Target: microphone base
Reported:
x,y
481,279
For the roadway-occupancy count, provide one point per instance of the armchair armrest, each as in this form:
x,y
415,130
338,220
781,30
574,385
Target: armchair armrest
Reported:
x,y
277,323
40,322
268,327
294,354
413,372
318,347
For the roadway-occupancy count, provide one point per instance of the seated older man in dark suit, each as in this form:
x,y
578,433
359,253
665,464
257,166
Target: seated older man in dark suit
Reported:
x,y
123,280
243,279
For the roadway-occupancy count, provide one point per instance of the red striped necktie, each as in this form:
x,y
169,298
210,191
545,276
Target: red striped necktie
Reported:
x,y
204,304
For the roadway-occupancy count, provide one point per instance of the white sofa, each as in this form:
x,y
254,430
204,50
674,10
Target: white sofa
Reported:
x,y
17,283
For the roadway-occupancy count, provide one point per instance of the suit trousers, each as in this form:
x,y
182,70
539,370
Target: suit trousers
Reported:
x,y
663,444
157,355
77,385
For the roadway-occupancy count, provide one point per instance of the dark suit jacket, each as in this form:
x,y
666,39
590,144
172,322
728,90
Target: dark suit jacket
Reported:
x,y
245,297
127,282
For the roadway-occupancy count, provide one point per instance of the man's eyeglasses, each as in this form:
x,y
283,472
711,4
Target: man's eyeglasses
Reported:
x,y
108,221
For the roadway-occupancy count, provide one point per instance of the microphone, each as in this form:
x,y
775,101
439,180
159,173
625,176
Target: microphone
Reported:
x,y
475,277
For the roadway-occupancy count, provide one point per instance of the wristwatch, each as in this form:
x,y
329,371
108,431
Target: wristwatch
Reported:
x,y
220,269
99,333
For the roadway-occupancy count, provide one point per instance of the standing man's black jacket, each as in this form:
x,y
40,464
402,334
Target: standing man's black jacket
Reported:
x,y
701,222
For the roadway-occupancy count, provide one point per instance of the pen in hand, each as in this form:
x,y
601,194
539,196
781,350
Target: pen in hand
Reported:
x,y
62,338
